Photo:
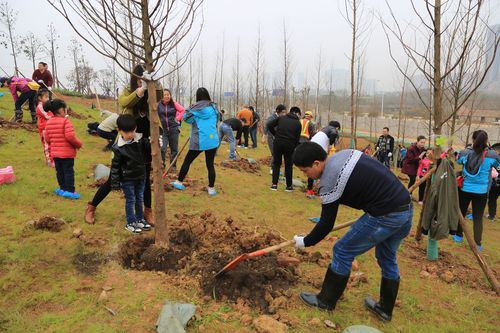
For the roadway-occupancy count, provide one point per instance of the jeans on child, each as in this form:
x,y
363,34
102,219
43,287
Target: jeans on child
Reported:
x,y
385,233
65,173
134,198
227,131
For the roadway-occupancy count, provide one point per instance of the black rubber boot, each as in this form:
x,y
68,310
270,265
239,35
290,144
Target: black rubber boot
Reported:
x,y
388,294
19,116
333,287
33,118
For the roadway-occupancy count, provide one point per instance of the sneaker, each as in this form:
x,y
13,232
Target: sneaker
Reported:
x,y
469,216
314,219
132,227
458,239
71,195
289,189
480,248
421,203
59,192
491,218
232,158
310,194
211,191
274,187
142,224
178,185
246,147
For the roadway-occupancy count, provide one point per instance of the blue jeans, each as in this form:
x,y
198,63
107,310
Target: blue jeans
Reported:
x,y
227,131
253,136
385,233
384,158
134,198
170,138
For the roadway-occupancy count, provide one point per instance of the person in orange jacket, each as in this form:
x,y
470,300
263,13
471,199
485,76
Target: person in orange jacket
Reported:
x,y
245,115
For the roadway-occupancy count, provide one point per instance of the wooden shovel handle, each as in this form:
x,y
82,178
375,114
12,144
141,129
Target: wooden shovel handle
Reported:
x,y
271,248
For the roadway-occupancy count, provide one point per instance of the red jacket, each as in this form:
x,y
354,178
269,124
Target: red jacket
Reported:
x,y
46,77
42,117
60,136
410,164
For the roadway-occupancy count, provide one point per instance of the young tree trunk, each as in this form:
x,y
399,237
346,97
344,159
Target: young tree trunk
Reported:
x,y
437,68
353,83
161,227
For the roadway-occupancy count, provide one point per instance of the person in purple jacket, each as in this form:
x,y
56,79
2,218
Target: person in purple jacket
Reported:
x,y
20,85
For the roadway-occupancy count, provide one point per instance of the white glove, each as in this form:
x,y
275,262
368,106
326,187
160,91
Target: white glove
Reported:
x,y
144,85
147,76
299,242
40,81
50,88
390,154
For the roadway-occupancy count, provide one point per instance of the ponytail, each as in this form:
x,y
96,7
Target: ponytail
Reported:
x,y
54,106
479,141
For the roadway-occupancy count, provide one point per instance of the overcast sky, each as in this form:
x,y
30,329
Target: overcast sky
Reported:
x,y
312,24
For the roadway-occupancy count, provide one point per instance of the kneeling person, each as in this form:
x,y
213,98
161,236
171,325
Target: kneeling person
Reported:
x,y
353,179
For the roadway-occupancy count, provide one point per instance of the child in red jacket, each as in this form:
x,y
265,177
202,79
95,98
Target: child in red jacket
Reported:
x,y
42,97
63,144
423,166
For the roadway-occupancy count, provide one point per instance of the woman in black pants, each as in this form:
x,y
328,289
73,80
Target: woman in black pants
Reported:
x,y
203,116
477,162
134,101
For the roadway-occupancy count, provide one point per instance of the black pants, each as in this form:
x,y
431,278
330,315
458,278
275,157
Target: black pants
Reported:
x,y
105,188
246,132
209,161
310,183
412,180
110,136
65,173
492,201
283,149
26,96
478,206
421,191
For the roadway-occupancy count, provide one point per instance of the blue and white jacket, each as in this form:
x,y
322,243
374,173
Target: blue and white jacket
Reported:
x,y
203,116
477,171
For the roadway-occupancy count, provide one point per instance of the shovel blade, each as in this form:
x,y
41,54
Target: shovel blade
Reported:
x,y
232,264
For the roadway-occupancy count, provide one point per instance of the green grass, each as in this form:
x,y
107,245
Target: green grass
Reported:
x,y
40,290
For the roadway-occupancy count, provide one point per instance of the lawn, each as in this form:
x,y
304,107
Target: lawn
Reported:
x,y
44,290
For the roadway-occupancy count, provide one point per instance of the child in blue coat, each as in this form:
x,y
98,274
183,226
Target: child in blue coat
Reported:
x,y
203,117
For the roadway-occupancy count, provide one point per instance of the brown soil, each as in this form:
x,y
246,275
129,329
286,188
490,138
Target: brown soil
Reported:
x,y
88,263
49,223
201,245
98,183
75,115
265,160
191,184
4,123
241,164
447,268
346,141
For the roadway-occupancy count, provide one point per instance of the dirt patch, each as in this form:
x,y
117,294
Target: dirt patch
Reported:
x,y
4,123
88,263
265,160
447,268
98,183
49,223
242,164
191,184
201,245
75,115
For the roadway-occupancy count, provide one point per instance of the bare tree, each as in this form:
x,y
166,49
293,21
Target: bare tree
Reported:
x,y
236,76
354,14
287,61
258,67
318,85
75,49
31,47
158,27
8,18
52,38
221,80
330,93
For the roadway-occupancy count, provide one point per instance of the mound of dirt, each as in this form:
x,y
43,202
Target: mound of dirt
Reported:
x,y
241,164
4,123
88,263
265,160
98,183
75,115
200,245
49,223
447,268
191,184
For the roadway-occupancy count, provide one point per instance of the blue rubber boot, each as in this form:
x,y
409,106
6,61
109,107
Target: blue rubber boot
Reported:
x,y
458,239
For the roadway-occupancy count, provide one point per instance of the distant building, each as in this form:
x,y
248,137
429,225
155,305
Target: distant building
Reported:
x,y
479,116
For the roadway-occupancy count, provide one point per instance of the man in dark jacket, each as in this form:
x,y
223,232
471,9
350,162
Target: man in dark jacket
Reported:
x,y
354,179
415,153
254,127
280,111
129,172
385,147
286,132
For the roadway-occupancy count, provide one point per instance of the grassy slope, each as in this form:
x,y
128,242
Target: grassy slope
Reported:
x,y
41,290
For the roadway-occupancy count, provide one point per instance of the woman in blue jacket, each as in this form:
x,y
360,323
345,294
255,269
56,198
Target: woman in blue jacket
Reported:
x,y
203,117
477,162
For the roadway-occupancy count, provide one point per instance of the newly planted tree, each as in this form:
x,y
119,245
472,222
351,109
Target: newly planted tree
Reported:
x,y
154,29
